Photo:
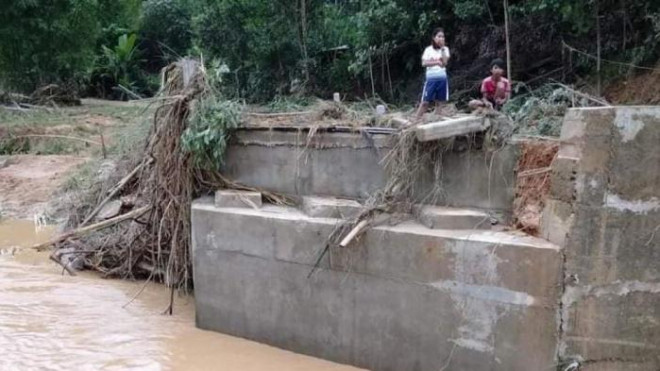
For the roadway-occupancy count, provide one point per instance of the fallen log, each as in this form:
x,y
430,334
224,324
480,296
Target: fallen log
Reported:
x,y
15,109
91,228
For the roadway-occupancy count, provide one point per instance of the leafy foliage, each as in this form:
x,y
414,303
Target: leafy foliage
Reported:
x,y
540,112
209,128
116,18
469,9
122,59
118,67
314,47
43,41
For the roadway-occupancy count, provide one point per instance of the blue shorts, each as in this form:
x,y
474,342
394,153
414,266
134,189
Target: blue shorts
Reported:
x,y
436,90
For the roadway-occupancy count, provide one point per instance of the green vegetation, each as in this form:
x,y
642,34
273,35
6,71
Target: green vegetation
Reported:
x,y
541,112
362,48
44,41
73,130
208,130
121,64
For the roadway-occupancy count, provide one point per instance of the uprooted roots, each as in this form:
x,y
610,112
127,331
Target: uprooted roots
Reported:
x,y
157,243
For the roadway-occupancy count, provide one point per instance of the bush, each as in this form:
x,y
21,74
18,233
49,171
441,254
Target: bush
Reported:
x,y
208,132
119,65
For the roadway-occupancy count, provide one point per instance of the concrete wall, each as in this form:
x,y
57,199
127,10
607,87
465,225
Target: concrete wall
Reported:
x,y
403,297
349,166
605,211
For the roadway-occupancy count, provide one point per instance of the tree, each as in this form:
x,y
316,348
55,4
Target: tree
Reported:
x,y
44,41
165,28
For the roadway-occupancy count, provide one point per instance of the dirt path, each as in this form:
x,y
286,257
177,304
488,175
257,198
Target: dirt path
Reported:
x,y
27,182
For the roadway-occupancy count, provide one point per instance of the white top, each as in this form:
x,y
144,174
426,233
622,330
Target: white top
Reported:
x,y
433,54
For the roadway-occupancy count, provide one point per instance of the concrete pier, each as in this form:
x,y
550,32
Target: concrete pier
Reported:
x,y
441,290
604,209
404,297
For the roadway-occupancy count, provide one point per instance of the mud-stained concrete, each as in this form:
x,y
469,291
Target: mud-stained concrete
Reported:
x,y
604,209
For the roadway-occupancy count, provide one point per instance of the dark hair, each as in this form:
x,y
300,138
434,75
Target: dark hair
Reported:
x,y
497,62
435,32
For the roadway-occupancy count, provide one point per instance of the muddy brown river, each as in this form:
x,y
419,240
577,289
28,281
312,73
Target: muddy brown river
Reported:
x,y
50,321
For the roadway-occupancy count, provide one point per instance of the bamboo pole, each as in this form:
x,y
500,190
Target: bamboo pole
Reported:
x,y
598,88
278,114
584,95
371,75
508,44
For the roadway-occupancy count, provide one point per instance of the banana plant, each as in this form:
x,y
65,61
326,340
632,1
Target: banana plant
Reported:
x,y
121,63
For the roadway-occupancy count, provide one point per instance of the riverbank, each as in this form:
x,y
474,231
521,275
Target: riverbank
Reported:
x,y
53,321
50,320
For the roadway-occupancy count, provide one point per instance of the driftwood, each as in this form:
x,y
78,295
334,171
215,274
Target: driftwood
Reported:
x,y
354,232
120,185
58,259
91,228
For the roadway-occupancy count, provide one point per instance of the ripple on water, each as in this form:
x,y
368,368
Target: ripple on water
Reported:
x,y
53,322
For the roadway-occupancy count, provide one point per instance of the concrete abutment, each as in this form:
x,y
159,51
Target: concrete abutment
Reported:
x,y
442,288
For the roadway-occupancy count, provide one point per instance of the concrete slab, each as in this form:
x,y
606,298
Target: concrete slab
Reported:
x,y
407,251
438,217
451,128
330,207
405,298
235,198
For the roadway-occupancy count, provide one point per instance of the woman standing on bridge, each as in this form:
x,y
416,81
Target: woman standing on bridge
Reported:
x,y
436,86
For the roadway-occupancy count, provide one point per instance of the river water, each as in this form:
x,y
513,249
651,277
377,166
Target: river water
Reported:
x,y
51,321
